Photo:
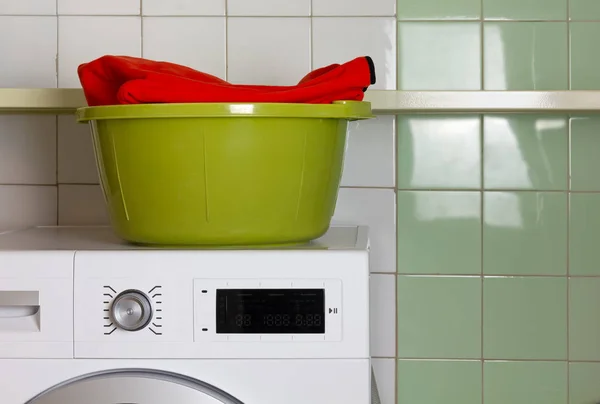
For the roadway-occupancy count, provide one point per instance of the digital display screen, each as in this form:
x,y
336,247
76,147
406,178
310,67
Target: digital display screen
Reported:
x,y
270,311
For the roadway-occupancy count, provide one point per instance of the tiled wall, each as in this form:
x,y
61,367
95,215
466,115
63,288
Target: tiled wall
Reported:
x,y
486,274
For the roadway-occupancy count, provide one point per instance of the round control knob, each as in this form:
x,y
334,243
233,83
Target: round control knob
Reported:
x,y
131,310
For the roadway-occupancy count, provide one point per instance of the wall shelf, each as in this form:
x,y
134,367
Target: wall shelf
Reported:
x,y
65,101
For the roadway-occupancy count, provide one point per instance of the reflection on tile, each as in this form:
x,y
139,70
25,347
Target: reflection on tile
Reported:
x,y
584,321
525,56
354,7
94,7
268,7
584,233
425,46
76,33
76,161
28,7
584,383
183,7
525,152
385,375
448,382
439,152
525,382
28,51
24,206
370,153
28,149
172,38
383,315
439,9
81,205
585,147
275,59
439,317
525,318
374,36
439,232
584,10
375,208
525,233
525,10
585,56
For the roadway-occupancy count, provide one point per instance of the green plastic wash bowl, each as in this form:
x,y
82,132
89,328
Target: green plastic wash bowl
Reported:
x,y
221,174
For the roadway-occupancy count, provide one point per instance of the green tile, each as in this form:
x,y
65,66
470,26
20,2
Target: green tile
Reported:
x,y
439,317
584,10
525,233
439,9
525,152
439,232
584,383
584,319
525,382
525,318
585,55
585,148
425,46
439,152
431,382
584,235
525,9
525,56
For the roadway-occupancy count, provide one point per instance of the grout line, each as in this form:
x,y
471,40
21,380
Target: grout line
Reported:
x,y
568,45
455,275
495,360
226,5
311,40
141,29
485,189
56,66
568,243
395,142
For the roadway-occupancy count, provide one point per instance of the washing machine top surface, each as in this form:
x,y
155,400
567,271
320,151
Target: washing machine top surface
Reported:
x,y
91,238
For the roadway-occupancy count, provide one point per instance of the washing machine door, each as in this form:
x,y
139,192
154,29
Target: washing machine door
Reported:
x,y
134,387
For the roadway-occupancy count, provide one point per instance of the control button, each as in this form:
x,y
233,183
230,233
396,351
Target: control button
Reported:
x,y
333,310
131,310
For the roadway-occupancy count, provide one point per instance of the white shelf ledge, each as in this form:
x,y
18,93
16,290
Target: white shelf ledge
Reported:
x,y
59,101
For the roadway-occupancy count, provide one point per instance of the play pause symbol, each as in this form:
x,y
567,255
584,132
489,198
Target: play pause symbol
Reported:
x,y
333,310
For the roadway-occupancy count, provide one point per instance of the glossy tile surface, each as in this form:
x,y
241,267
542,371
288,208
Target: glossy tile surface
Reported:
x,y
525,56
27,205
385,374
425,46
525,318
525,152
584,319
76,160
81,205
585,147
439,232
585,56
383,315
584,233
268,7
525,9
370,159
439,317
377,209
584,383
439,152
173,38
354,7
439,9
525,233
373,36
28,7
584,10
448,382
525,382
183,7
104,7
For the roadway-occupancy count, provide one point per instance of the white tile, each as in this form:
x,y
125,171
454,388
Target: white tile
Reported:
x,y
354,7
370,153
385,376
26,205
196,42
375,208
28,51
81,205
337,40
28,7
27,149
95,7
270,51
76,161
383,315
83,39
268,7
183,7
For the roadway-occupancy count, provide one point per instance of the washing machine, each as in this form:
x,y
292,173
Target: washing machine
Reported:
x,y
88,319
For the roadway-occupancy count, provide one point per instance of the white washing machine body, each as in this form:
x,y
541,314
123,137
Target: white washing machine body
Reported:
x,y
86,318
